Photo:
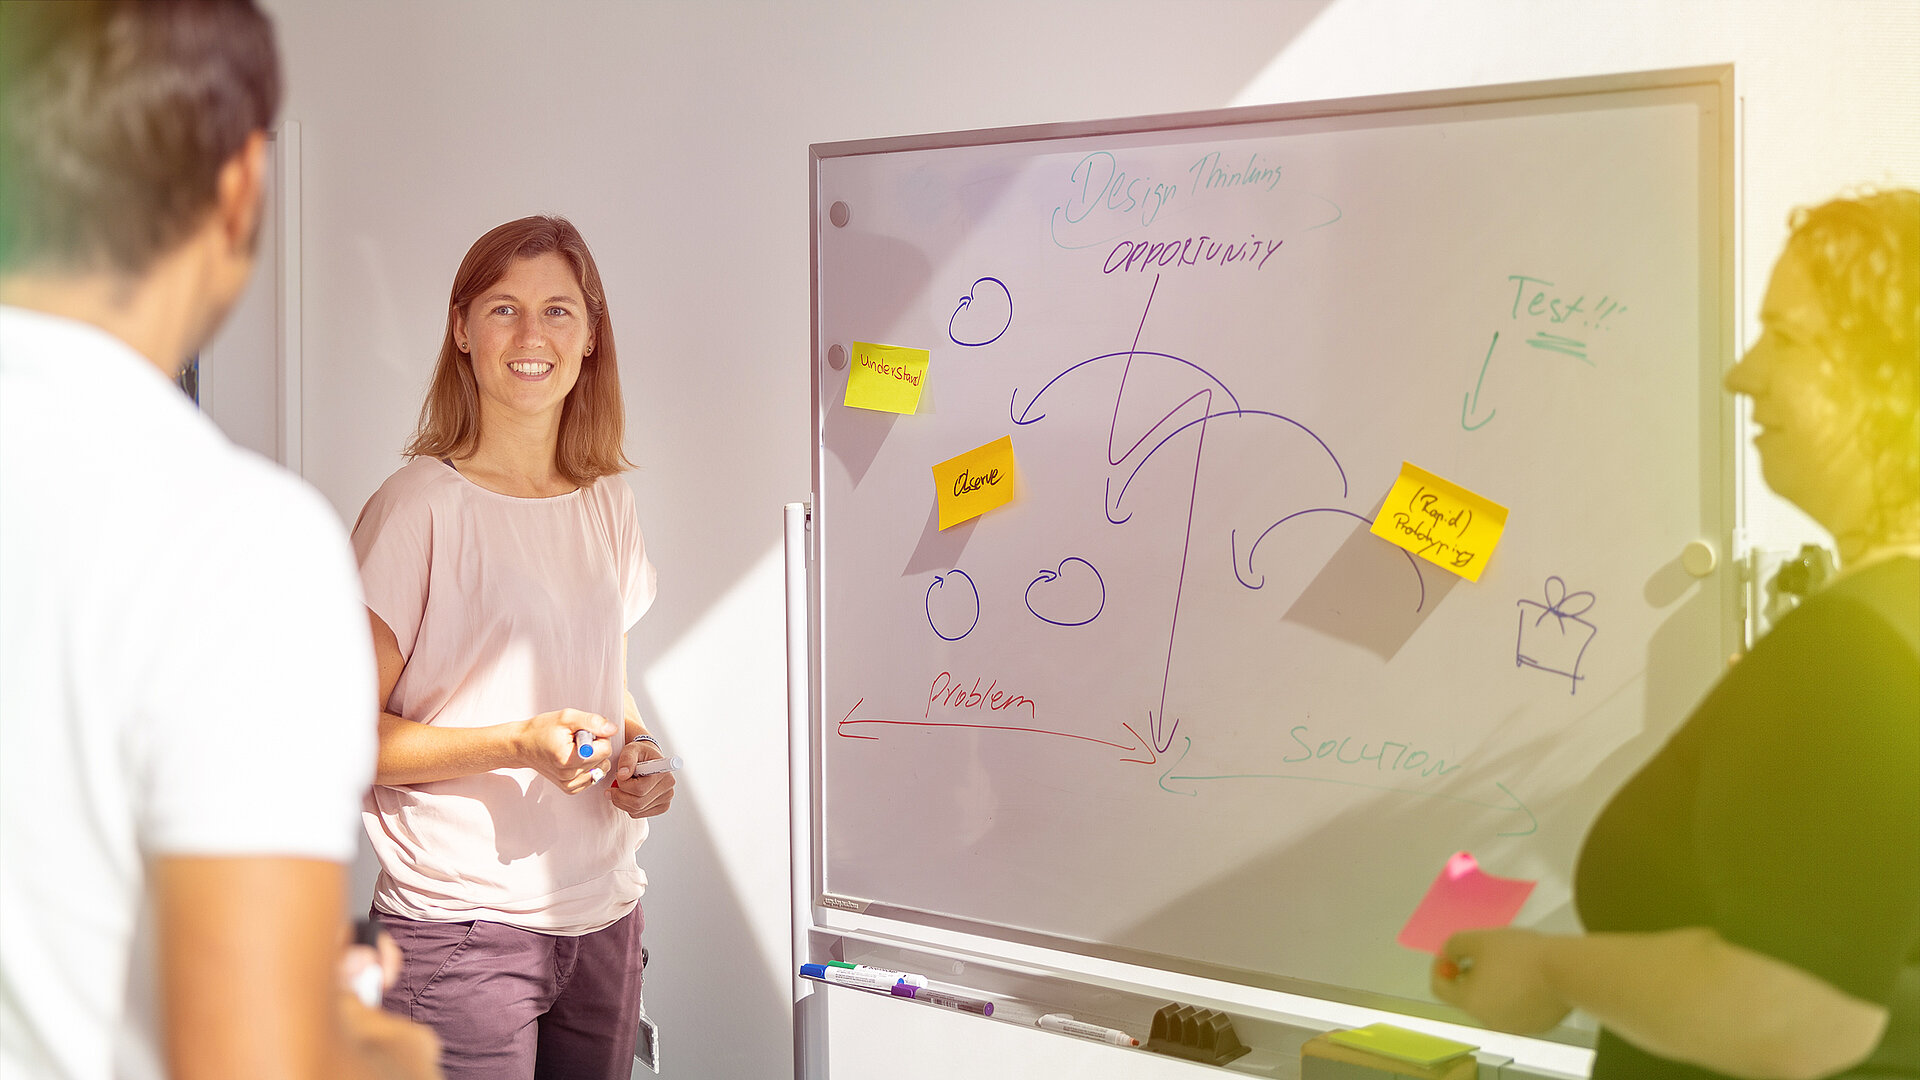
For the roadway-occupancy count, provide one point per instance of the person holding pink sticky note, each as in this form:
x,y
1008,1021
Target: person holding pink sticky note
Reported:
x,y
1463,897
1751,898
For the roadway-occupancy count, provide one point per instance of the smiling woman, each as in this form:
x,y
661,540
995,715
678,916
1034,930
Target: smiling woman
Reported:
x,y
528,285
527,339
1752,895
502,568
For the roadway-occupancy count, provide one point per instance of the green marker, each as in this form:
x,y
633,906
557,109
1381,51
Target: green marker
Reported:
x,y
890,976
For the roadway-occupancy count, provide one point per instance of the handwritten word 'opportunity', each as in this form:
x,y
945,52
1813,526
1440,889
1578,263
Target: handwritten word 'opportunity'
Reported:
x,y
1144,255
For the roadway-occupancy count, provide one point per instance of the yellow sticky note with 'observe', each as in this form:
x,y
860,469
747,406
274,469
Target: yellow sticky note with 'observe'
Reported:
x,y
886,378
1440,521
975,482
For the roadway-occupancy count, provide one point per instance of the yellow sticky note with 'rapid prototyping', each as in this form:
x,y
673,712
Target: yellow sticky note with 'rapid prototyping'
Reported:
x,y
886,378
1440,521
975,482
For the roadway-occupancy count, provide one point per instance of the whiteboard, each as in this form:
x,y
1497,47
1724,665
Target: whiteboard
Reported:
x,y
1175,704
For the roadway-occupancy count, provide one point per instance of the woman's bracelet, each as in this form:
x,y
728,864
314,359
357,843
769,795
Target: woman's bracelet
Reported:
x,y
651,739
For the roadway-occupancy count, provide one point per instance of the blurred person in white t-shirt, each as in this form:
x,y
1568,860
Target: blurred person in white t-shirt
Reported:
x,y
184,667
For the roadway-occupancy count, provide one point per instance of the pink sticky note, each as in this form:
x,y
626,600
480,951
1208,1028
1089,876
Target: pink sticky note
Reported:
x,y
1462,898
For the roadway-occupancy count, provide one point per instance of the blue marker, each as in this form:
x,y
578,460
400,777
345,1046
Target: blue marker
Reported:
x,y
859,978
583,742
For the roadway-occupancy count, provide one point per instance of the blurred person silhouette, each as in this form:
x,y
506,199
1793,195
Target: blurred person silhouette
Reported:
x,y
184,666
1752,896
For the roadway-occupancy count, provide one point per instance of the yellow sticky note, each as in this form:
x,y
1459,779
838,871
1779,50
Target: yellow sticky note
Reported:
x,y
1415,1046
886,378
975,482
1440,521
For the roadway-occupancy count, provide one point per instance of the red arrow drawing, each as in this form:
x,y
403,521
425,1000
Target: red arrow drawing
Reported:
x,y
1139,745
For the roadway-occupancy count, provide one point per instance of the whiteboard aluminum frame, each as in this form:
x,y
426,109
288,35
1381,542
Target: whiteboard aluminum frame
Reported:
x,y
831,916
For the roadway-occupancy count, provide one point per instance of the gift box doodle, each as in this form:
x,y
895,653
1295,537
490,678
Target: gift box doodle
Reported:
x,y
1553,637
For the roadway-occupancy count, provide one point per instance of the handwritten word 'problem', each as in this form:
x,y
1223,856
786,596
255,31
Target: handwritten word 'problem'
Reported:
x,y
951,693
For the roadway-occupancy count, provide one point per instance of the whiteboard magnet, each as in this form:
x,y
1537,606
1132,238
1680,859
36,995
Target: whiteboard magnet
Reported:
x,y
837,358
1699,558
839,214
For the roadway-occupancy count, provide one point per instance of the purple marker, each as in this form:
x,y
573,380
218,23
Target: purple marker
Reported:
x,y
943,999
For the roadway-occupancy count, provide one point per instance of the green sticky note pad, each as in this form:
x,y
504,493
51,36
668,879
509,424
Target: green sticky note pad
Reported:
x,y
1389,1041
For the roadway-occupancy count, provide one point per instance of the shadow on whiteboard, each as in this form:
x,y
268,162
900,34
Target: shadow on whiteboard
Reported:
x,y
1322,905
1370,594
938,549
854,436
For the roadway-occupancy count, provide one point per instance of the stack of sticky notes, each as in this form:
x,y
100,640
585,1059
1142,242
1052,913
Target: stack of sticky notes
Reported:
x,y
1381,1050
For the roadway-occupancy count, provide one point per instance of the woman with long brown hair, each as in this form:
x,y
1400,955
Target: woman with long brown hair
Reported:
x,y
503,566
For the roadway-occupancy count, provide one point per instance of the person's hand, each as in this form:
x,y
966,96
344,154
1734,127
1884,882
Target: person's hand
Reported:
x,y
545,743
369,970
396,1048
1499,976
643,796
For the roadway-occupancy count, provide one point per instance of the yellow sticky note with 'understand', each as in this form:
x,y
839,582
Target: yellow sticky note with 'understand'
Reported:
x,y
886,378
975,482
1440,521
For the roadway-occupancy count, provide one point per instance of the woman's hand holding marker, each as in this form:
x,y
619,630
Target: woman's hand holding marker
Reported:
x,y
583,742
643,781
566,746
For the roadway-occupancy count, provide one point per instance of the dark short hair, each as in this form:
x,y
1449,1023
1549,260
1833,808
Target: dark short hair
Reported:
x,y
115,119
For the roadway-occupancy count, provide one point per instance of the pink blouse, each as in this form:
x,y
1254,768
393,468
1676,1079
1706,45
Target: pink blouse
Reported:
x,y
504,608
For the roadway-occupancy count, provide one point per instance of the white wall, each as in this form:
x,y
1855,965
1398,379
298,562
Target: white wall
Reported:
x,y
675,134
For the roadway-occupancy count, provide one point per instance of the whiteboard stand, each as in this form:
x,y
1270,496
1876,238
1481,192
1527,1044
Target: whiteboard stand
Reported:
x,y
809,1004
